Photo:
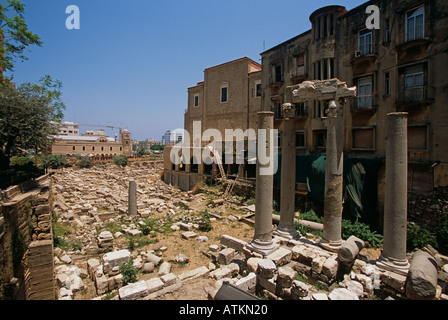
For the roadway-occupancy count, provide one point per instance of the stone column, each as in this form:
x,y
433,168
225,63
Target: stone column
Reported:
x,y
331,239
132,198
393,256
262,242
286,227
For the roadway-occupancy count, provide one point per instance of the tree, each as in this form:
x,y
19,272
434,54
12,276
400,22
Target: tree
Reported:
x,y
142,151
26,116
14,35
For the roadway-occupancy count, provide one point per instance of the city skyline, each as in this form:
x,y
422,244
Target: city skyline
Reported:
x,y
130,66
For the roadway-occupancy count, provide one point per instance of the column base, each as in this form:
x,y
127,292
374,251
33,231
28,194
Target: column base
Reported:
x,y
390,264
287,232
329,245
263,248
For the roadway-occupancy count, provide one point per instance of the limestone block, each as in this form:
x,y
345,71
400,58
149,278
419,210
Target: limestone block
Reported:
x,y
233,242
133,291
148,267
348,252
154,285
342,294
188,235
247,283
330,268
169,279
268,284
280,256
115,259
300,289
394,280
266,268
252,265
285,276
226,256
193,274
319,296
317,264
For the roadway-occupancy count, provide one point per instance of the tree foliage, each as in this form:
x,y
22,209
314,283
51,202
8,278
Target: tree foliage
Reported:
x,y
14,34
26,116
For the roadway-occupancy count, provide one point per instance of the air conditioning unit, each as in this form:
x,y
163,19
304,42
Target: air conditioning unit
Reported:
x,y
358,54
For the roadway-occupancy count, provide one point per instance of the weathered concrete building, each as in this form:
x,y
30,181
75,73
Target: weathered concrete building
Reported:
x,y
397,67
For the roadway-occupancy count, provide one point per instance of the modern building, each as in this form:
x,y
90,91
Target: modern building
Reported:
x,y
67,128
172,137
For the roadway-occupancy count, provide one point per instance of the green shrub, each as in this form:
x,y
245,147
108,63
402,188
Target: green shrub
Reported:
x,y
55,161
362,231
419,237
21,160
121,160
205,223
442,234
129,272
85,162
311,216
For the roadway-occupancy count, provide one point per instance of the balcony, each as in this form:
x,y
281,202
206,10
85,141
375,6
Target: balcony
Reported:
x,y
415,97
301,111
365,103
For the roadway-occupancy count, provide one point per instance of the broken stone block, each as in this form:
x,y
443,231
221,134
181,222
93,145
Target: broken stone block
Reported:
x,y
268,284
181,258
330,267
252,265
233,242
247,283
422,277
154,285
394,280
169,279
342,294
115,259
148,267
299,289
266,268
193,274
105,239
285,276
133,291
189,234
317,264
319,296
281,256
226,256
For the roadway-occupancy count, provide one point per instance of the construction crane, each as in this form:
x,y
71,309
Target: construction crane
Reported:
x,y
100,126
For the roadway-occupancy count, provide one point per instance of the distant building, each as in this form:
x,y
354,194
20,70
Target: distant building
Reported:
x,y
94,144
172,137
67,128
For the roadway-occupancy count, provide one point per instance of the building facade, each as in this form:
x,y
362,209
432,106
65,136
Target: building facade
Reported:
x,y
94,144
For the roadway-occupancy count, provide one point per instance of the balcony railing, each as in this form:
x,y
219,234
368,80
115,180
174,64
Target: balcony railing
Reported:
x,y
365,102
414,96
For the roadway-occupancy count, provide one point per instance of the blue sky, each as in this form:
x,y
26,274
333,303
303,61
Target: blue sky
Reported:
x,y
131,62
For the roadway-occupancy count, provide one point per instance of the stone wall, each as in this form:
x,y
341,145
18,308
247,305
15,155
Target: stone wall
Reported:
x,y
25,218
426,209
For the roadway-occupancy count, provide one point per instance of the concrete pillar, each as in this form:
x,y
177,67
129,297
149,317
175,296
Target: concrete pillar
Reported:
x,y
286,227
262,242
331,239
393,256
132,198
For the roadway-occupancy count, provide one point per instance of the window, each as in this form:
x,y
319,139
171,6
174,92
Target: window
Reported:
x,y
258,89
74,148
325,26
276,106
415,24
300,65
365,92
224,93
414,83
365,42
387,31
84,148
277,70
418,137
300,139
93,148
102,148
387,84
300,110
110,149
363,138
320,138
196,100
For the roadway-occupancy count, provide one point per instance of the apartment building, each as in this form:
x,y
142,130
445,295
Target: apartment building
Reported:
x,y
398,67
